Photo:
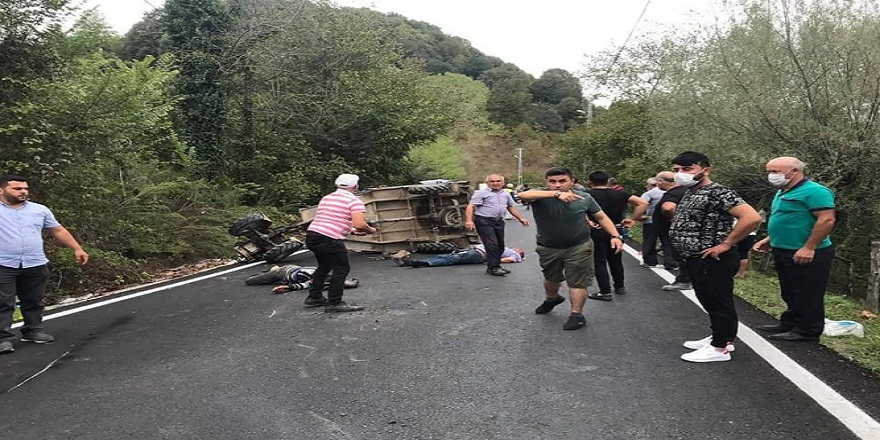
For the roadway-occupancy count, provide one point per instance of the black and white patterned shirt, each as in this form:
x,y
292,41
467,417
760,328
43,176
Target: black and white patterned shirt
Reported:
x,y
702,219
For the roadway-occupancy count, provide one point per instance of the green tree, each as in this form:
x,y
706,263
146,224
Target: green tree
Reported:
x,y
146,37
555,85
197,31
509,98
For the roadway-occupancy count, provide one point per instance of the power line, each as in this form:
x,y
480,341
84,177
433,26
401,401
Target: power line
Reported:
x,y
625,42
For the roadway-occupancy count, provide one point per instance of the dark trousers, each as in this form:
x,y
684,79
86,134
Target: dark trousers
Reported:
x,y
29,285
649,244
713,284
332,259
671,257
604,259
491,232
803,290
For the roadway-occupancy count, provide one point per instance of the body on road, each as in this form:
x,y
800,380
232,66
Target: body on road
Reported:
x,y
474,255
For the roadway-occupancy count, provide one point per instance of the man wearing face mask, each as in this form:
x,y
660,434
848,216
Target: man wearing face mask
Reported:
x,y
704,234
802,216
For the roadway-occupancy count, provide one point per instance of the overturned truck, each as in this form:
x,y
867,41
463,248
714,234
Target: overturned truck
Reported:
x,y
428,217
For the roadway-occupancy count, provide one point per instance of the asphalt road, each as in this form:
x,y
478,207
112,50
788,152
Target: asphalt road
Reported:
x,y
439,353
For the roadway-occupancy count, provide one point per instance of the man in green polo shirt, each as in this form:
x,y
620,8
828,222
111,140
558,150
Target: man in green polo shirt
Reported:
x,y
801,218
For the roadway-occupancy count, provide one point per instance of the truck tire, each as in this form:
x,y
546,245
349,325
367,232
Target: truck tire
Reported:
x,y
257,222
436,248
428,189
282,251
451,217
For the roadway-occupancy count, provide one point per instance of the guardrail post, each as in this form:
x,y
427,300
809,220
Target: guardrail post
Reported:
x,y
874,285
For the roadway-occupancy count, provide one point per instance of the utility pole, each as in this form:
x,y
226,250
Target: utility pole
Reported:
x,y
519,153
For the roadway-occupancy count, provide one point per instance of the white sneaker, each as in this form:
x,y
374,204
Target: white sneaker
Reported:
x,y
700,343
706,354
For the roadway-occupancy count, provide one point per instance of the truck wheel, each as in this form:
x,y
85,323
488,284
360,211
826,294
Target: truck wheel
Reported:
x,y
451,217
257,222
428,189
282,251
435,248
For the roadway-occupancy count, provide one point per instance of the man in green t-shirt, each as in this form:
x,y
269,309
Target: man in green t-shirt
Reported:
x,y
801,218
565,250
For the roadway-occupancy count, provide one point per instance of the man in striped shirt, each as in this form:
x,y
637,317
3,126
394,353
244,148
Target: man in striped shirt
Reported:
x,y
339,213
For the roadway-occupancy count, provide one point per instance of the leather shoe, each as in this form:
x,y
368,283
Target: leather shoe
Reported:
x,y
793,337
497,271
773,328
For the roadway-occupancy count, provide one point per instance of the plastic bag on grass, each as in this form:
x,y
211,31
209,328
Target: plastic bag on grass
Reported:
x,y
843,328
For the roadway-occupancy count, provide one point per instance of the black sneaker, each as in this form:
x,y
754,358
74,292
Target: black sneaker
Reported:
x,y
37,337
418,263
6,347
497,271
549,304
620,290
601,296
315,302
342,307
575,321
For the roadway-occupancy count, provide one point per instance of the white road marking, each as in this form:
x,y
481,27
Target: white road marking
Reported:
x,y
149,291
859,422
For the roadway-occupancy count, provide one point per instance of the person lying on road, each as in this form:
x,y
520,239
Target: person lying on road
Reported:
x,y
474,255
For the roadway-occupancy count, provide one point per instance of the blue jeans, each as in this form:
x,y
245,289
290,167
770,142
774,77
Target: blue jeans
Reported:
x,y
471,256
29,285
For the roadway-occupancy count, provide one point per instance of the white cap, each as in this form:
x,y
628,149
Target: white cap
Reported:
x,y
347,180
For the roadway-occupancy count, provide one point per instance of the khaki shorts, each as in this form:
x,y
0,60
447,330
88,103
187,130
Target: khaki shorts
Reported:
x,y
573,265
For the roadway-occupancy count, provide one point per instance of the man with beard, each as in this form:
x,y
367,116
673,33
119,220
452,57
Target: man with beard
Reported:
x,y
704,234
23,270
565,247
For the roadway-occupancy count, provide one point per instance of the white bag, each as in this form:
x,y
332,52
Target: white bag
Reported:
x,y
843,328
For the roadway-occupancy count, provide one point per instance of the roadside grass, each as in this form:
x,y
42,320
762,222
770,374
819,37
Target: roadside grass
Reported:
x,y
762,291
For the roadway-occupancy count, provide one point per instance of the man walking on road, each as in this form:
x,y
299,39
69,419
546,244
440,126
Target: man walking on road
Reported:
x,y
338,214
614,203
703,232
23,270
485,213
565,250
801,218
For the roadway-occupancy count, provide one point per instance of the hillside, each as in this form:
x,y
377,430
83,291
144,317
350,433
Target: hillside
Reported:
x,y
492,153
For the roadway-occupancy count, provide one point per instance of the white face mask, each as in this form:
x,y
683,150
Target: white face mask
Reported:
x,y
686,180
778,179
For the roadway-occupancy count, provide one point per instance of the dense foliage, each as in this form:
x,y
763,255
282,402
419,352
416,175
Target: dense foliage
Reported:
x,y
780,78
147,146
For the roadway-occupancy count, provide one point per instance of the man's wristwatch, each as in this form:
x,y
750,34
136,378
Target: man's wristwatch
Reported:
x,y
617,237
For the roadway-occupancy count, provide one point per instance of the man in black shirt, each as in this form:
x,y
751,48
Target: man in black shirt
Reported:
x,y
709,222
614,203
